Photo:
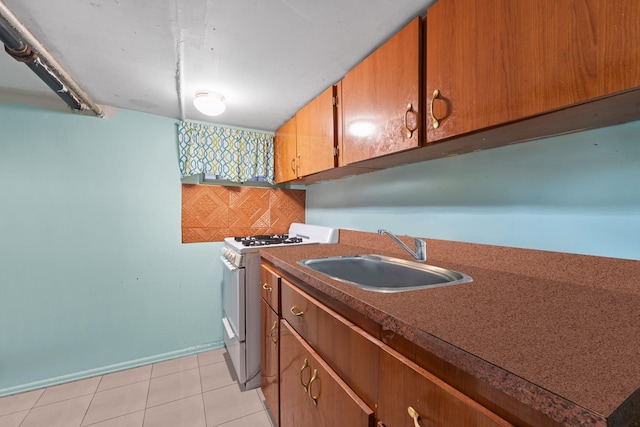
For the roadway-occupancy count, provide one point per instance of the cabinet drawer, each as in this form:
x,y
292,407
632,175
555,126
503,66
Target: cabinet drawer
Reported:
x,y
404,384
312,394
270,287
350,351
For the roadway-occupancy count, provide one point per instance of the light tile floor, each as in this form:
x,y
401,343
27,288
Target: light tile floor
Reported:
x,y
193,391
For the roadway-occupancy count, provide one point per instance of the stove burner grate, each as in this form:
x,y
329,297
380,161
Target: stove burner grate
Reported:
x,y
267,239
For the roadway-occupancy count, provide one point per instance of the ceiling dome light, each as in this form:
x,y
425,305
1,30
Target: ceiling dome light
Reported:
x,y
209,103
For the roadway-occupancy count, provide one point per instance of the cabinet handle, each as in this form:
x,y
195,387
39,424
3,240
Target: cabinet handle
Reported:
x,y
267,288
293,165
314,377
273,328
436,123
296,311
406,125
305,365
414,414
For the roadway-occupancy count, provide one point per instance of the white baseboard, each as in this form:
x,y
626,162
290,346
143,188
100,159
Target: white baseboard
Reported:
x,y
110,368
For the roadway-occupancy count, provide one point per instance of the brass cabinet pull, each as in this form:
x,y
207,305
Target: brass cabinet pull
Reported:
x,y
414,414
406,125
296,311
436,123
305,365
273,328
314,377
266,287
293,165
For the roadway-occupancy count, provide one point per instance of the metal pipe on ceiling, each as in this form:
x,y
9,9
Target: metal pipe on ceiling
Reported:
x,y
22,53
20,44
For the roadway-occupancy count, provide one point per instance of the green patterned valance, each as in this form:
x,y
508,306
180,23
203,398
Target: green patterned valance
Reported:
x,y
232,154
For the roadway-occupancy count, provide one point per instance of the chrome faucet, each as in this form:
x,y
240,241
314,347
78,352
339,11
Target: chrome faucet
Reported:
x,y
421,246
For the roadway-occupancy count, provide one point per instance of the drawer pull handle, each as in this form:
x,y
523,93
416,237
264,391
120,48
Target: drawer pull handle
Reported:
x,y
305,365
314,377
296,311
436,123
273,328
266,287
414,414
293,165
406,125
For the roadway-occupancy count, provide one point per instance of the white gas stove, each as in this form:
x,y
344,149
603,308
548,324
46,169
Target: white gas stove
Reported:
x,y
241,293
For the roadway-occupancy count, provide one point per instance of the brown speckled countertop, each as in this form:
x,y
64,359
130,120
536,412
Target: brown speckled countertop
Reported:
x,y
557,332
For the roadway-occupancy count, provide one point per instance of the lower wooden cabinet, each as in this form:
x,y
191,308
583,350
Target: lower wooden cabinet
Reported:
x,y
270,367
407,391
351,352
312,394
333,373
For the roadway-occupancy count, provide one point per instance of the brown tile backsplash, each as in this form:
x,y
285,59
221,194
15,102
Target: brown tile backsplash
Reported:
x,y
212,212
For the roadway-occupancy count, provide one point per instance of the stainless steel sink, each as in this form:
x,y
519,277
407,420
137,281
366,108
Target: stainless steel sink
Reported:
x,y
383,274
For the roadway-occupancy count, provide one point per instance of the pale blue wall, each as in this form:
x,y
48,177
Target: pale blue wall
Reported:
x,y
576,193
93,274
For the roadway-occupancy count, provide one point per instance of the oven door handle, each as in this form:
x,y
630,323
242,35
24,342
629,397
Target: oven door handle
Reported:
x,y
228,328
228,264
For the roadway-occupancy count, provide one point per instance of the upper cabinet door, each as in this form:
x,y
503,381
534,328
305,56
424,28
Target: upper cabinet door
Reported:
x,y
316,134
497,61
380,104
285,152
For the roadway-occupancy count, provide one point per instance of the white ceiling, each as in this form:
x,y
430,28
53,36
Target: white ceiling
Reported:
x,y
267,57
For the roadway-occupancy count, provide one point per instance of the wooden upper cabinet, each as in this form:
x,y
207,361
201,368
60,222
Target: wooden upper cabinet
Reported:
x,y
376,95
497,61
307,143
285,152
316,136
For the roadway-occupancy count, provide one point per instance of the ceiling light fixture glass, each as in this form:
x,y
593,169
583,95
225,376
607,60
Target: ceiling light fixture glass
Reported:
x,y
209,103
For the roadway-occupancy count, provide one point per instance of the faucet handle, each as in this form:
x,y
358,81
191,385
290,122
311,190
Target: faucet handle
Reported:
x,y
421,249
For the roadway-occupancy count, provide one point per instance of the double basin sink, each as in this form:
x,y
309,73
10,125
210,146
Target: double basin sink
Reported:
x,y
384,274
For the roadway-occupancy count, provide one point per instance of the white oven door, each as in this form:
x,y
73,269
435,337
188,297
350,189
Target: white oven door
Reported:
x,y
233,320
233,297
237,351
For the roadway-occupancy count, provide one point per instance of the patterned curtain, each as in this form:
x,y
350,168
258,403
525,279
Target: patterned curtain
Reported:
x,y
232,154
